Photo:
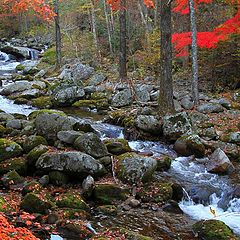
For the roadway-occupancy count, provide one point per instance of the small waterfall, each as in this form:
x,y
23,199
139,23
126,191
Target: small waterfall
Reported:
x,y
33,54
4,57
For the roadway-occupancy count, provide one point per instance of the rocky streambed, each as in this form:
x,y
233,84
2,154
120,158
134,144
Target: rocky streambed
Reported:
x,y
79,178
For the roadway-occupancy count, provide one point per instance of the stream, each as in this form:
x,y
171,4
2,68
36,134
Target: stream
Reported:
x,y
191,174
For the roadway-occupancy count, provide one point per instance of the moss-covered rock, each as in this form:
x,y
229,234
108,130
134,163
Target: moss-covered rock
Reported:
x,y
20,67
32,141
213,230
42,102
35,153
36,203
190,145
21,100
17,164
73,213
100,104
134,168
71,199
117,146
109,193
34,114
11,178
49,56
164,163
9,149
33,186
156,192
2,130
107,209
58,178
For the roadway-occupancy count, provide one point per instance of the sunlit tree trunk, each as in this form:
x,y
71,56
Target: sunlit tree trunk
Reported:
x,y
123,43
166,87
195,92
57,35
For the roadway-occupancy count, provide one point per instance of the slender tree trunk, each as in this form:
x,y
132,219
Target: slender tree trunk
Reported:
x,y
57,35
108,27
94,27
123,41
143,16
166,86
195,92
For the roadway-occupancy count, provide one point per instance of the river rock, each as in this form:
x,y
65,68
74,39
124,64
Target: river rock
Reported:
x,y
188,145
9,149
219,163
174,126
177,105
19,86
213,229
223,101
14,123
11,178
97,79
134,168
77,163
122,98
233,137
117,146
91,144
58,178
29,94
35,153
49,124
81,72
88,186
149,123
30,142
5,117
187,103
67,95
68,137
143,92
210,108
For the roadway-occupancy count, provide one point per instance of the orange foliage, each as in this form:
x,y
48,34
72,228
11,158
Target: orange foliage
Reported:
x,y
9,232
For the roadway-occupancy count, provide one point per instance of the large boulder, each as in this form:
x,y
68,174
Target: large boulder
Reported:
x,y
213,229
77,163
9,149
5,117
49,124
143,92
188,145
174,126
91,144
210,108
19,86
134,168
68,137
117,146
149,123
219,163
122,98
32,141
66,95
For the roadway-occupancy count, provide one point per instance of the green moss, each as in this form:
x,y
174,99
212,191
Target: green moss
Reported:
x,y
73,213
49,56
101,95
109,193
71,199
117,146
31,142
164,163
37,112
21,100
213,230
12,177
156,192
42,102
33,186
35,153
108,209
20,67
36,203
2,130
99,104
18,164
58,178
9,149
4,206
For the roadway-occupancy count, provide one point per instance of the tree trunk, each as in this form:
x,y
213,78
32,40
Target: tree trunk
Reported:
x,y
195,92
57,35
123,43
108,27
166,86
94,31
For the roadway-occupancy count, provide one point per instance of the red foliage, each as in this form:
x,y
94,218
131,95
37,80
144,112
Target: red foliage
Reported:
x,y
9,232
115,4
40,7
207,39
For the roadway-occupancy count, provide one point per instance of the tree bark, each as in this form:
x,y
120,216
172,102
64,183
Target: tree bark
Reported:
x,y
195,92
108,27
123,42
94,31
57,35
166,86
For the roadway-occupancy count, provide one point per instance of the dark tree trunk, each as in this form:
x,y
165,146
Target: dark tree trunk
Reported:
x,y
195,92
57,35
123,43
166,86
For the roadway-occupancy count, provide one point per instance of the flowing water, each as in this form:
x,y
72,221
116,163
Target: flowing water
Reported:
x,y
189,172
